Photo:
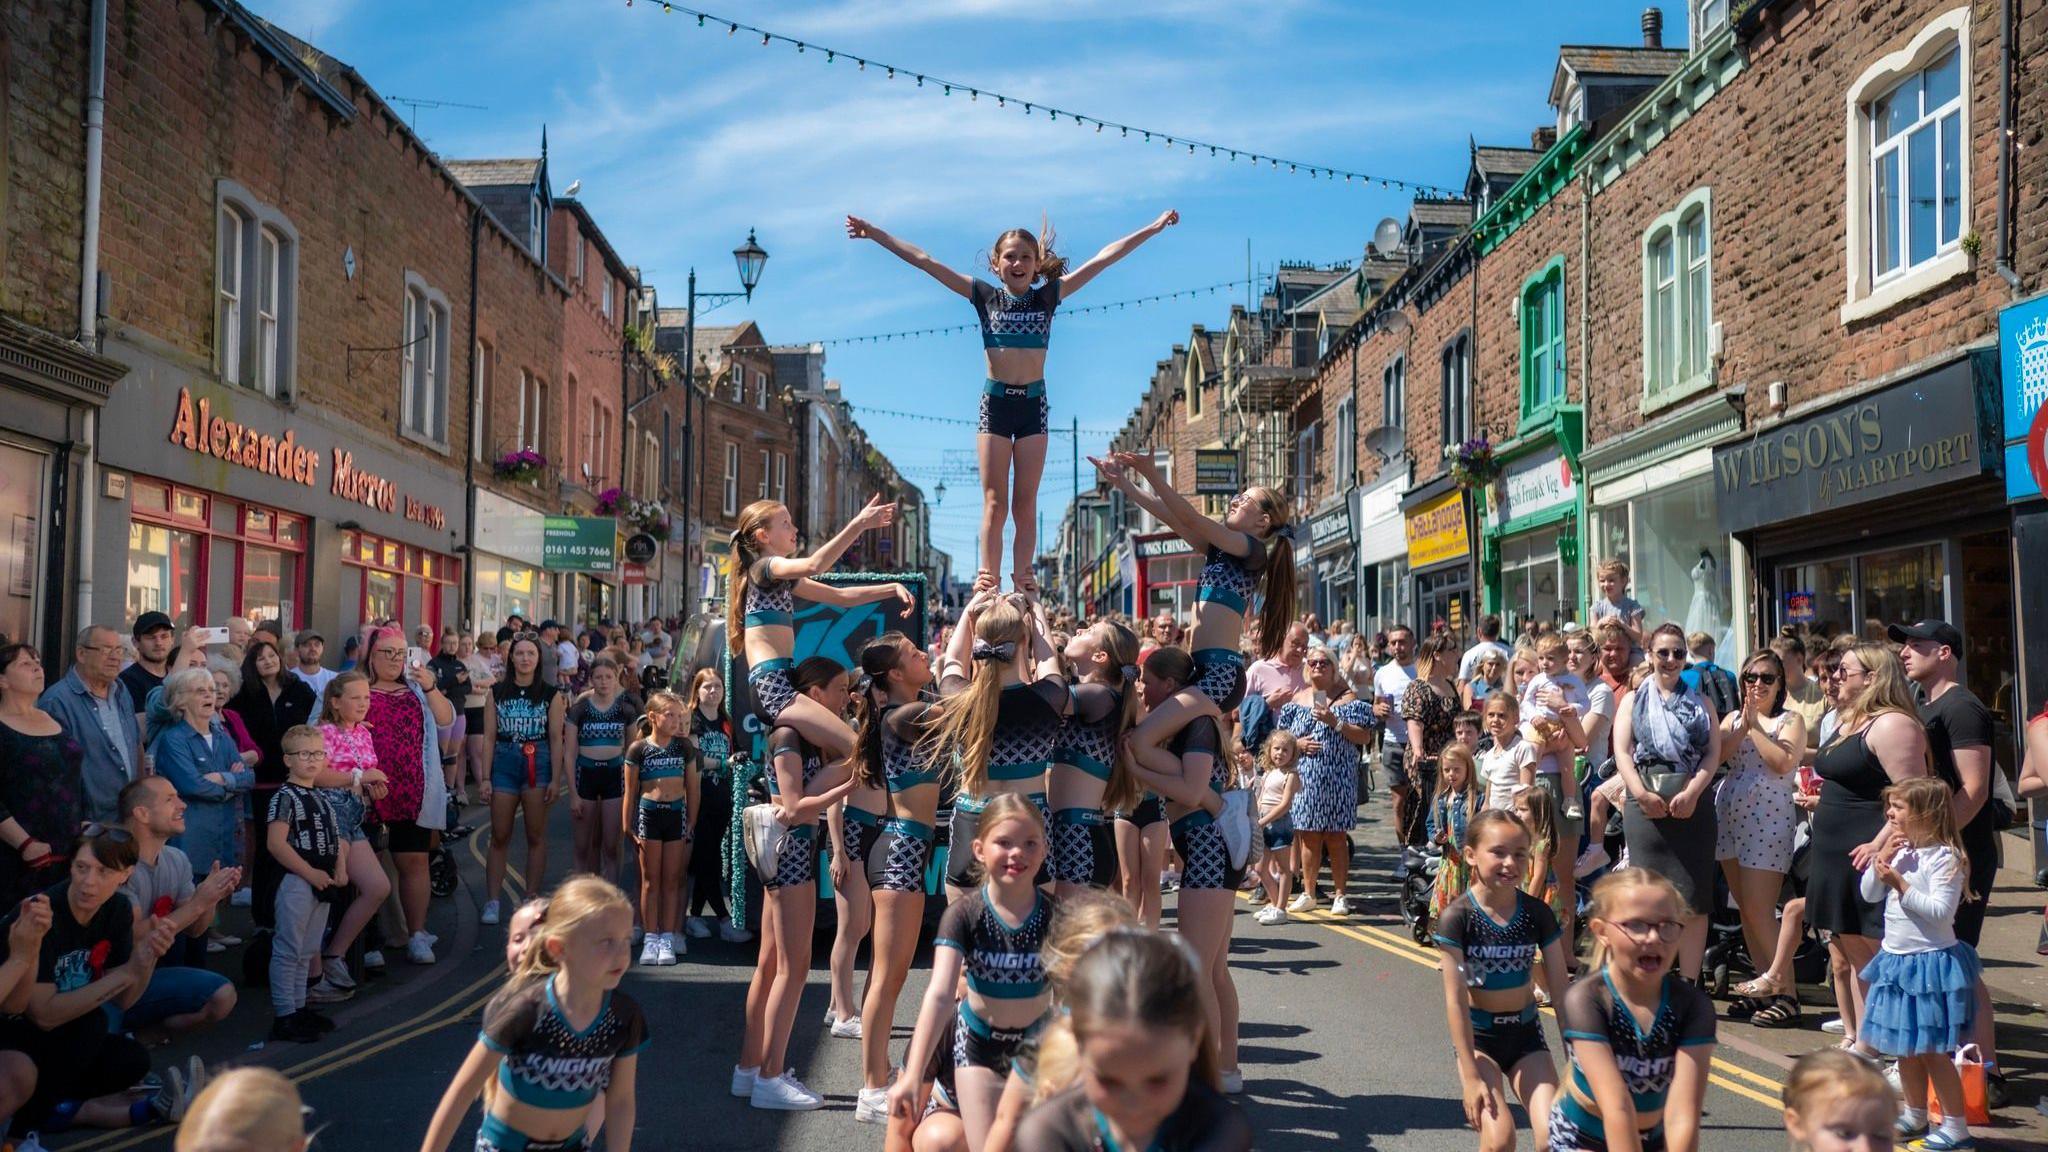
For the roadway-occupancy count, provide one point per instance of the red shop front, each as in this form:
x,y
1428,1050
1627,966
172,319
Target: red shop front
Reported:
x,y
389,579
200,557
1168,568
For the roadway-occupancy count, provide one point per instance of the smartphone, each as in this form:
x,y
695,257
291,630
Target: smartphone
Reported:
x,y
416,657
212,636
1322,698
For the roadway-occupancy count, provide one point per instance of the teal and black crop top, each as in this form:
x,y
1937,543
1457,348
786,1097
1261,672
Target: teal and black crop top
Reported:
x,y
1593,1012
903,767
547,1063
1015,321
1002,960
1090,739
602,727
788,741
1203,736
1231,580
1500,956
1029,720
770,602
668,761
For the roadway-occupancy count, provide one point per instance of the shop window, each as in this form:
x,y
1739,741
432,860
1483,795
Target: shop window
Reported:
x,y
1860,595
267,580
1537,581
1394,392
1677,556
380,596
1456,398
423,363
255,292
1677,298
1909,186
163,573
1543,351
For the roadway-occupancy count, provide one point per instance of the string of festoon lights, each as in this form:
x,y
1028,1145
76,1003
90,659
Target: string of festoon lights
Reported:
x,y
925,79
974,326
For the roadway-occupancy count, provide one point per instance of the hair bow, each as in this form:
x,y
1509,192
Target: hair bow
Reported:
x,y
1285,532
1002,653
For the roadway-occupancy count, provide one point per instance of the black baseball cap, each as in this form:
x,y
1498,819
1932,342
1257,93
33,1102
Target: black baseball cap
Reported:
x,y
547,624
1939,631
150,622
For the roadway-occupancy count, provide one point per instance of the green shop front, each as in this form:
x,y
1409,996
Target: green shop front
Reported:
x,y
1532,524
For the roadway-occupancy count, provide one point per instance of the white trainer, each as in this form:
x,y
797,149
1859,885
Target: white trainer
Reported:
x,y
650,950
733,934
420,950
666,950
1340,906
783,1094
1306,902
335,969
846,1028
871,1106
493,911
696,928
743,1081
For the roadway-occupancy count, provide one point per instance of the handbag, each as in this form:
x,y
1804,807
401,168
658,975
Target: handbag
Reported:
x,y
762,827
1667,785
1970,1069
1236,825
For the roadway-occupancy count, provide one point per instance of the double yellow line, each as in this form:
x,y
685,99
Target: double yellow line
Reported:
x,y
1761,1089
457,1008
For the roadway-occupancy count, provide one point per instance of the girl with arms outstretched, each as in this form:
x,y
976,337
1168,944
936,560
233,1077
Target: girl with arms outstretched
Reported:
x,y
1016,326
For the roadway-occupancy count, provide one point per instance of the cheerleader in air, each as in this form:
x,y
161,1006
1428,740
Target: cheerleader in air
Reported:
x,y
1016,327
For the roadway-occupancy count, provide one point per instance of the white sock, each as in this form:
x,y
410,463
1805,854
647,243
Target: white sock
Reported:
x,y
1956,1127
1914,1117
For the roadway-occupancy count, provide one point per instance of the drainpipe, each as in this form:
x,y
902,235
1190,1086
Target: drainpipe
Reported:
x,y
1585,359
2005,147
476,224
88,295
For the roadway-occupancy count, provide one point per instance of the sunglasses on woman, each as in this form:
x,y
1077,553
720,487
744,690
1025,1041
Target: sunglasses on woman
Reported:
x,y
1759,677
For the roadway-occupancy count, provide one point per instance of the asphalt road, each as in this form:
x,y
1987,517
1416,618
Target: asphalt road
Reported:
x,y
1343,1042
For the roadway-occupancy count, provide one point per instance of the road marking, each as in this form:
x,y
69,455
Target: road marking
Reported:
x,y
1396,944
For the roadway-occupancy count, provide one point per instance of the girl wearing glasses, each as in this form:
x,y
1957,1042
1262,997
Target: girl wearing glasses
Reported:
x,y
1640,1039
1666,746
1757,817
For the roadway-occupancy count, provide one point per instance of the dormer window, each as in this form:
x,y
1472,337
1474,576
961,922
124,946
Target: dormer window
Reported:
x,y
536,228
1708,17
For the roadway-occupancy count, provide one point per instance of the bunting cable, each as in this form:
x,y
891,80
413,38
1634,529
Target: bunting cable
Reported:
x,y
1081,119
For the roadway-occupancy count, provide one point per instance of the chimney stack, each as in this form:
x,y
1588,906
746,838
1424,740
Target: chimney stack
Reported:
x,y
1653,28
1543,138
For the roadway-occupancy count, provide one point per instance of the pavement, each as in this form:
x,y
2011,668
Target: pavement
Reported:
x,y
1342,1040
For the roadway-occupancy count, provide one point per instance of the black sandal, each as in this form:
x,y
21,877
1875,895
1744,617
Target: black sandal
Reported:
x,y
1744,1007
1781,1012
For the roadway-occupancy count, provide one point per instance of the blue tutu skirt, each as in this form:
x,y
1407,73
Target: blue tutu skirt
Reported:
x,y
1920,1003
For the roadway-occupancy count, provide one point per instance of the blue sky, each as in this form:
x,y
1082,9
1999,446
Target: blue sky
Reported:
x,y
684,138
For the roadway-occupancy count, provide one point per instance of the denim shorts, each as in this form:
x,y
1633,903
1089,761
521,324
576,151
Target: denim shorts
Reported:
x,y
1279,834
172,992
509,768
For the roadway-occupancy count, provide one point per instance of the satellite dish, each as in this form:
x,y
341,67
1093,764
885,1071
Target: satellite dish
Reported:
x,y
571,190
1385,442
1387,235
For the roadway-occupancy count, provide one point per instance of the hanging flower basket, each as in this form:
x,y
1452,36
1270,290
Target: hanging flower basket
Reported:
x,y
522,466
647,516
1473,464
610,501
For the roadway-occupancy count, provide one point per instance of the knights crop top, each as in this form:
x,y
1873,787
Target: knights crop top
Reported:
x,y
1003,962
602,727
769,601
1499,957
670,761
1230,580
1029,719
1015,321
1592,1012
1090,740
1204,1121
787,740
903,726
1202,736
522,712
547,1063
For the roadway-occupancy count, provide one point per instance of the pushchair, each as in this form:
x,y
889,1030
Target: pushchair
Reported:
x,y
1728,953
1418,887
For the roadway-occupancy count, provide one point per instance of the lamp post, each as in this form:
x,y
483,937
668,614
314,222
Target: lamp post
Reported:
x,y
749,257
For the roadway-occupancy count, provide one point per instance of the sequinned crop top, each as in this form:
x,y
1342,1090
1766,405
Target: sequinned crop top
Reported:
x,y
601,727
1230,580
1029,719
787,740
1015,321
1203,736
903,725
1499,956
668,761
770,601
1003,961
1090,740
1591,1011
549,1064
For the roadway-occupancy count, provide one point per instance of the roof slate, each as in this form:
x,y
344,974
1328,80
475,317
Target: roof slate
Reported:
x,y
508,173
